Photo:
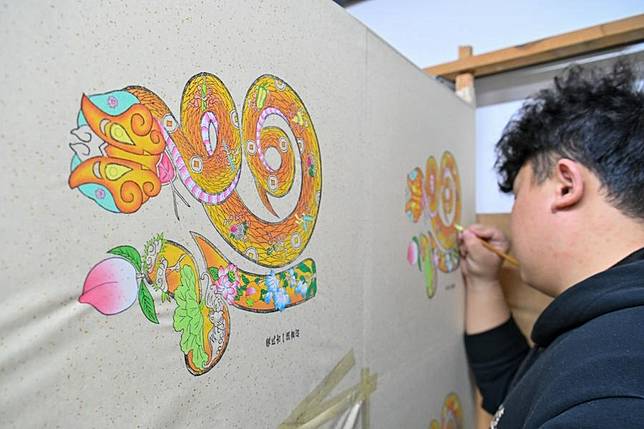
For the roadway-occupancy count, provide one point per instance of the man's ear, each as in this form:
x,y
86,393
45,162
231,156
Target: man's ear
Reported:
x,y
569,184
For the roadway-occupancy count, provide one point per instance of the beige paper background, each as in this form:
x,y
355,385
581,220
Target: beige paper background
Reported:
x,y
64,364
414,343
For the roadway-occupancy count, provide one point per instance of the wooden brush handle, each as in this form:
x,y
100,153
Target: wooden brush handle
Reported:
x,y
505,256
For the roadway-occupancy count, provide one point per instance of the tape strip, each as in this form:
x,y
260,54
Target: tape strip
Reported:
x,y
325,387
312,412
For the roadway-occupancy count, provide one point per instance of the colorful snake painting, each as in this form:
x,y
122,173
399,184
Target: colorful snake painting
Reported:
x,y
130,146
436,197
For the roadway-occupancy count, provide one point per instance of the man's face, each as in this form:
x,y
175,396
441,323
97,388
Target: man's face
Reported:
x,y
530,226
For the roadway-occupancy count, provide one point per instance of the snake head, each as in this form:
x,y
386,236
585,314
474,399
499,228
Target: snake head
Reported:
x,y
119,159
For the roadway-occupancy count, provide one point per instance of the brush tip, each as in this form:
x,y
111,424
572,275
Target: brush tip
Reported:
x,y
458,227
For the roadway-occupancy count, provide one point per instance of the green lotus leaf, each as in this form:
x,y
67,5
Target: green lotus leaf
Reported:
x,y
187,318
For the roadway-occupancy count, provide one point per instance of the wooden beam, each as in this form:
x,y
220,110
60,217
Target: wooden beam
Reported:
x,y
464,84
591,39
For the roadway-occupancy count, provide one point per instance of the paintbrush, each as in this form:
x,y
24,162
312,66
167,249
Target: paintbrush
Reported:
x,y
491,248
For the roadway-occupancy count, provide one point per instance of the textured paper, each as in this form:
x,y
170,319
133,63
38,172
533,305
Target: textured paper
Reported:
x,y
376,117
413,342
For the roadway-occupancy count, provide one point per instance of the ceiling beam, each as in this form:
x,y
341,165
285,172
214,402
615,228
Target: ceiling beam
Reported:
x,y
604,36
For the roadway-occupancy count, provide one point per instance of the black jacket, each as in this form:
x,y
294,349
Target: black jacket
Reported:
x,y
586,369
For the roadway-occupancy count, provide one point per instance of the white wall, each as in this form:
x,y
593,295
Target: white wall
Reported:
x,y
429,33
490,120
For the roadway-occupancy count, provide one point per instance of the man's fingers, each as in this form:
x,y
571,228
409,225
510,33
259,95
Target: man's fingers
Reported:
x,y
473,245
492,235
484,232
462,251
470,239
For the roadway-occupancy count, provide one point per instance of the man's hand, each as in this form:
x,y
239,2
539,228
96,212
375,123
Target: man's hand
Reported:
x,y
485,304
480,265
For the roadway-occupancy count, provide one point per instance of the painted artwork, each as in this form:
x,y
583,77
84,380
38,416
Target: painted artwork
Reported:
x,y
434,200
451,414
222,215
130,146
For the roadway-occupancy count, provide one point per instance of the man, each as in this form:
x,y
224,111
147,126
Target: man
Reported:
x,y
573,157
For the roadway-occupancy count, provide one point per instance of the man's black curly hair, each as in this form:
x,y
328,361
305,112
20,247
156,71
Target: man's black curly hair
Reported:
x,y
595,118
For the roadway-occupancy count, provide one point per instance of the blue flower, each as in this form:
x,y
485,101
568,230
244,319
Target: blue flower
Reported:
x,y
301,288
275,292
282,299
271,282
293,279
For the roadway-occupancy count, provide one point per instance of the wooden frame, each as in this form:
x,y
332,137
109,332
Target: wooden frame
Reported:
x,y
604,36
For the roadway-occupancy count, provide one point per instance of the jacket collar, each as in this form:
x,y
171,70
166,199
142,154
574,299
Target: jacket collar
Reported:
x,y
620,286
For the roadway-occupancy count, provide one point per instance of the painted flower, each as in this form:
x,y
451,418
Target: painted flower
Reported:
x,y
112,101
301,288
250,291
292,279
111,286
271,282
238,231
275,292
228,283
282,299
